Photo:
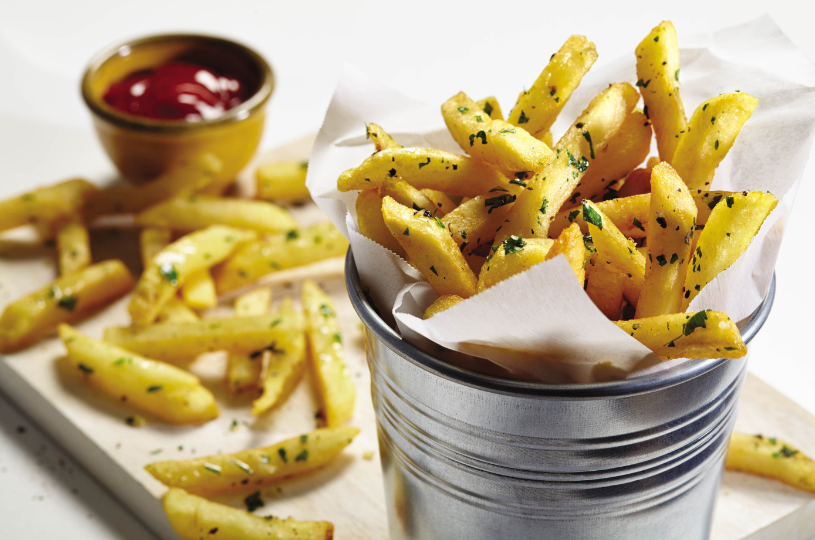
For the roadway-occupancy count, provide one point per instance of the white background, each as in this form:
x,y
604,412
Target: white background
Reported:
x,y
430,50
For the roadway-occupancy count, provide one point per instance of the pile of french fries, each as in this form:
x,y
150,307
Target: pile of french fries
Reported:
x,y
195,247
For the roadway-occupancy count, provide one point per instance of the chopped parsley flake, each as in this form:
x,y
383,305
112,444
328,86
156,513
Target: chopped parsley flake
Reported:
x,y
513,244
433,269
499,201
253,502
488,108
587,136
282,453
463,110
154,388
638,225
439,222
169,272
292,235
85,369
523,119
590,215
302,456
480,135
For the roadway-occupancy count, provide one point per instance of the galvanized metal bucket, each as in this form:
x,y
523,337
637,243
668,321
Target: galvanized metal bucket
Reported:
x,y
475,457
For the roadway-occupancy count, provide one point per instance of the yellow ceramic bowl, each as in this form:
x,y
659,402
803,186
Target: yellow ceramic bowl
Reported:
x,y
143,148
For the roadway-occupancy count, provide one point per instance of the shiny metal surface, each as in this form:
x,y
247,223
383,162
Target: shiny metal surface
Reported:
x,y
469,456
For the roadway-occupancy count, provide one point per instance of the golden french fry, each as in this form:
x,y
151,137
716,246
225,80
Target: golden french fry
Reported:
x,y
440,201
372,224
629,214
278,252
430,248
332,379
194,518
177,311
170,393
440,304
615,250
671,227
770,458
151,242
405,194
704,334
658,81
46,205
571,245
538,107
174,265
380,138
183,180
198,291
490,106
729,230
184,341
68,299
199,212
243,370
423,168
513,256
510,148
712,130
283,180
475,222
254,302
73,247
605,288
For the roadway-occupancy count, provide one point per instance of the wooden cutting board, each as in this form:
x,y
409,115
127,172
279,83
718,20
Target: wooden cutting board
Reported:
x,y
349,492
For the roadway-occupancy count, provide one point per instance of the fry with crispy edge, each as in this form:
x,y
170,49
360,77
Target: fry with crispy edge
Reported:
x,y
538,108
174,265
407,195
770,458
423,168
571,245
331,377
704,334
66,300
183,341
381,139
671,227
490,106
73,247
658,81
194,518
151,242
729,230
513,256
712,130
440,304
199,212
430,248
537,205
198,291
167,392
278,252
372,224
615,251
243,370
46,205
638,181
605,288
283,180
476,222
512,149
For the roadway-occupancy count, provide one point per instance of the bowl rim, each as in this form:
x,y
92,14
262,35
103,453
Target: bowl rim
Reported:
x,y
137,123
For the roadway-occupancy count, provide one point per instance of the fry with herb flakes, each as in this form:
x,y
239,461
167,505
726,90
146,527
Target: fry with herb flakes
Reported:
x,y
729,230
629,214
507,147
278,252
475,223
372,224
423,168
174,265
658,81
490,106
257,466
194,518
331,377
704,334
73,247
671,227
177,311
538,108
283,180
430,248
151,242
407,195
199,212
167,392
440,304
380,138
198,291
46,205
512,256
605,288
68,299
571,245
243,370
712,130
771,458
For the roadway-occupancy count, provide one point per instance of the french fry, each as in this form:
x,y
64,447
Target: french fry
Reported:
x,y
671,225
174,265
254,302
243,370
423,168
380,138
615,250
430,248
177,311
440,304
513,256
260,466
285,364
512,149
372,224
638,181
712,130
475,222
629,214
68,299
605,288
658,81
151,242
46,205
187,178
73,247
194,518
283,180
333,381
538,204
199,212
439,200
278,252
770,458
490,106
184,341
704,334
405,194
729,230
538,107
571,245
167,392
198,291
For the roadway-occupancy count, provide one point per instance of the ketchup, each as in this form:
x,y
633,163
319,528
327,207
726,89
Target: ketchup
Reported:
x,y
176,91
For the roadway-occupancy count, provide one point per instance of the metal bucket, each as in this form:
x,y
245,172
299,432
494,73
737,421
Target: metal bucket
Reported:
x,y
475,457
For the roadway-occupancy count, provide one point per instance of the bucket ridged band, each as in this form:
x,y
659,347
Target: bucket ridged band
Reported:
x,y
471,456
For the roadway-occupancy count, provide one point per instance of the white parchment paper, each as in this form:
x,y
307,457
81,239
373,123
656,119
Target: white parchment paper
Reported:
x,y
540,324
